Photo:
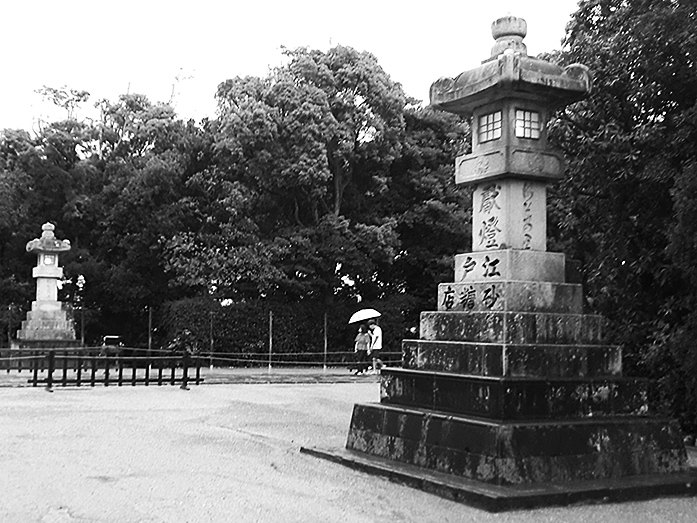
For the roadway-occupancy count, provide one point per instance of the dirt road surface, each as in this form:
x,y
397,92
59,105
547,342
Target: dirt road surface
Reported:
x,y
221,453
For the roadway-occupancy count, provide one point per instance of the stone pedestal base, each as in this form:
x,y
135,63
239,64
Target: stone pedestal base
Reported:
x,y
27,345
513,359
48,321
518,452
515,398
510,384
499,498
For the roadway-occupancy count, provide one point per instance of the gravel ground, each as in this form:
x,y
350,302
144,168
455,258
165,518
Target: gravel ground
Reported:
x,y
223,453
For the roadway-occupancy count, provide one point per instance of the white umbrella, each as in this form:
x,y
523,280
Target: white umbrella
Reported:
x,y
363,314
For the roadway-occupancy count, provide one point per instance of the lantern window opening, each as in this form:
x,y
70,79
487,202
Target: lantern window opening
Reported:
x,y
527,124
490,127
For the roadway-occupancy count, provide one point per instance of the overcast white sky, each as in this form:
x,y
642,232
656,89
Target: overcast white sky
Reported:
x,y
109,48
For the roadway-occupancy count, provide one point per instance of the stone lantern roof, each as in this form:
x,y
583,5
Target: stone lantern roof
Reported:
x,y
48,242
510,72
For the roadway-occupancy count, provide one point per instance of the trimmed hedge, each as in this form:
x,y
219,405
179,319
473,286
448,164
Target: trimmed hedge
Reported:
x,y
298,328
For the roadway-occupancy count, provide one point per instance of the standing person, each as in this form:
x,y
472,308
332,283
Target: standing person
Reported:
x,y
361,348
375,345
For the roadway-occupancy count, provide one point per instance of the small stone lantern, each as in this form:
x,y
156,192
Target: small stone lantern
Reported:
x,y
47,322
47,271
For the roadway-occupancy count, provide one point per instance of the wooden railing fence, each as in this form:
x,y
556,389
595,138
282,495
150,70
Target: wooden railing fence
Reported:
x,y
105,366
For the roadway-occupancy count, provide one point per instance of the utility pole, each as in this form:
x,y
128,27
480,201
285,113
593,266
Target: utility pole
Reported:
x,y
9,325
210,336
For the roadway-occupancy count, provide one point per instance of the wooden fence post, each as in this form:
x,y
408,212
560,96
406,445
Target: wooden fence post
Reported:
x,y
93,362
325,343
270,338
185,370
172,376
148,364
35,369
210,332
79,367
50,364
134,368
106,367
198,370
65,368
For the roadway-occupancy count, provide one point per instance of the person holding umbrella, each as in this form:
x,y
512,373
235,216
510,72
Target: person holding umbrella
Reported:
x,y
375,336
375,345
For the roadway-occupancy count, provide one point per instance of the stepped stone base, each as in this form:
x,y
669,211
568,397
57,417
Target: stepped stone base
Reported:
x,y
519,296
497,359
46,332
518,452
515,398
500,498
511,385
44,344
47,321
513,327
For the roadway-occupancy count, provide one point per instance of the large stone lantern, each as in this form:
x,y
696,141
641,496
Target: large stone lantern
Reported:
x,y
512,397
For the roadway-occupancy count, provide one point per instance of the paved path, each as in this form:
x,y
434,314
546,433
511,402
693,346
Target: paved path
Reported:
x,y
223,453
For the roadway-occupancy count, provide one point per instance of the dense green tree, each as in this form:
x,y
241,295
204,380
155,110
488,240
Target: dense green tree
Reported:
x,y
630,144
367,110
146,156
325,126
272,134
220,253
433,215
16,149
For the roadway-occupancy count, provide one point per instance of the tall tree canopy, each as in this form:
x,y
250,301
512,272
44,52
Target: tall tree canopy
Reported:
x,y
317,182
314,151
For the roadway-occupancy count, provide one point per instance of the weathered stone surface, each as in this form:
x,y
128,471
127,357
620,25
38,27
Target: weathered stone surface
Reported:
x,y
445,356
518,452
498,360
47,306
514,296
508,327
44,344
48,320
47,324
39,313
563,361
491,166
46,335
505,75
508,214
515,398
510,264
